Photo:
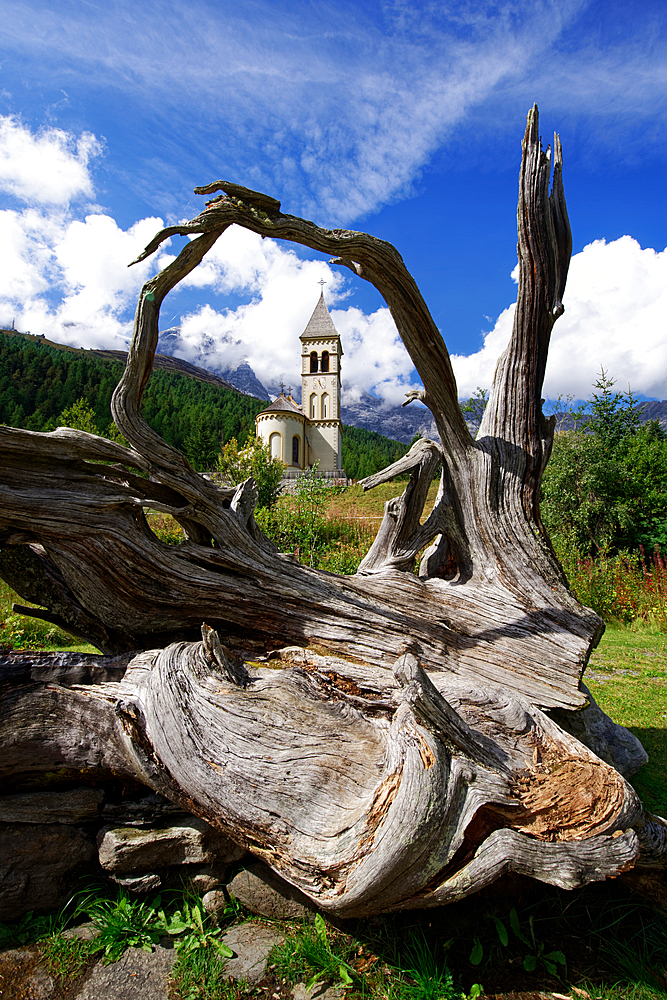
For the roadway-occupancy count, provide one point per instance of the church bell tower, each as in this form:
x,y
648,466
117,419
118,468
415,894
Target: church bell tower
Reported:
x,y
321,354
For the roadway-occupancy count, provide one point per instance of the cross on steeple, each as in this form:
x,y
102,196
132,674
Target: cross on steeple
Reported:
x,y
321,283
289,390
282,388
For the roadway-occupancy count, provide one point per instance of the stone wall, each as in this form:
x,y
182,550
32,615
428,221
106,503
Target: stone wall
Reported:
x,y
52,841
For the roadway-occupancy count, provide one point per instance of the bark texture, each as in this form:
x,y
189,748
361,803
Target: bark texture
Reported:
x,y
423,766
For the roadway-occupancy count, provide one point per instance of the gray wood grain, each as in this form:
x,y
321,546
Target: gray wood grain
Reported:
x,y
421,763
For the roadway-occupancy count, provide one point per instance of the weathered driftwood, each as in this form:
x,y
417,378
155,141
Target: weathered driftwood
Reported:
x,y
426,766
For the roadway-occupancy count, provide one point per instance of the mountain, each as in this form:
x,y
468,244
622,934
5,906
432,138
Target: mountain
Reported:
x,y
396,422
176,366
370,413
244,379
655,410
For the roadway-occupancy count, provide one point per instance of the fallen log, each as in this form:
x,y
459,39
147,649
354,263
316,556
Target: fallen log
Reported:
x,y
417,762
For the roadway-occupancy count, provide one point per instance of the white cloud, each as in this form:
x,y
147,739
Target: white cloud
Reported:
x,y
615,307
265,330
375,359
49,168
63,276
68,279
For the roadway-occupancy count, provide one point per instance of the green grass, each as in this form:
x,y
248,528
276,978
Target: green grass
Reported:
x,y
614,946
65,957
600,941
627,676
21,632
313,953
202,976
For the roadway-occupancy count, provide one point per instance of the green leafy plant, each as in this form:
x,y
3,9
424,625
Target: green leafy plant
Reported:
x,y
82,417
122,923
193,931
474,406
537,954
605,487
299,522
550,959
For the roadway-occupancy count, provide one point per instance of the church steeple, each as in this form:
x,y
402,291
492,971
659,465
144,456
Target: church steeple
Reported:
x,y
303,435
321,354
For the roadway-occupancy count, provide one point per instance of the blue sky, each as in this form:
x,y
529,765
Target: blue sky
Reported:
x,y
402,119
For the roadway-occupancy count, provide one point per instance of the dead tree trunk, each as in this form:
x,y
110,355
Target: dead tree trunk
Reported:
x,y
421,769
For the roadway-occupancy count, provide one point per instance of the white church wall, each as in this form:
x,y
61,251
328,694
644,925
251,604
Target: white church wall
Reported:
x,y
278,430
324,442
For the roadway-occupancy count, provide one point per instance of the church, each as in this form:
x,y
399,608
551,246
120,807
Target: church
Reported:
x,y
312,432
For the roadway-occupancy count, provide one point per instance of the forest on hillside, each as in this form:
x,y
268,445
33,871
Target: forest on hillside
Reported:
x,y
38,382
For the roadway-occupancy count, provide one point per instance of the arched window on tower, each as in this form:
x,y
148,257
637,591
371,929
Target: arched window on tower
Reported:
x,y
325,361
276,445
295,450
313,406
325,405
313,361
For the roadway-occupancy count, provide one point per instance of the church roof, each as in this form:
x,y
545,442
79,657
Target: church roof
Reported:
x,y
320,325
282,404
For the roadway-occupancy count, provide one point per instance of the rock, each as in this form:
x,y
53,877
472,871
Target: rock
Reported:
x,y
320,991
263,892
251,944
137,975
84,932
79,805
205,878
152,808
126,850
139,883
213,902
41,985
40,866
23,975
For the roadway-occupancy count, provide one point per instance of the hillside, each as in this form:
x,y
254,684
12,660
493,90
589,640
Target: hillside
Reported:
x,y
191,408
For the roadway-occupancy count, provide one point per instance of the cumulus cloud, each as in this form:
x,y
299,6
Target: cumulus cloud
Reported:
x,y
264,331
61,275
615,306
375,359
68,279
47,168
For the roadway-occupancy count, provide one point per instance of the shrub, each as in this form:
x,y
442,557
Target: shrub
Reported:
x,y
235,465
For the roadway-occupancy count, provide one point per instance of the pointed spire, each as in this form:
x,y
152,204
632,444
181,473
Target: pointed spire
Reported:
x,y
320,325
